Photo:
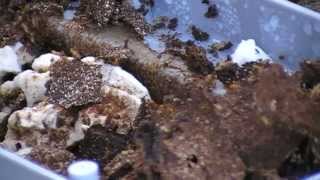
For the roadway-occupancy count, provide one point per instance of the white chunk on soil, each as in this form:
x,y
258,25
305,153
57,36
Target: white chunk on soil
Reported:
x,y
8,61
136,4
39,117
33,85
24,56
29,123
24,151
90,60
69,14
8,88
247,51
116,77
219,89
77,133
84,170
42,63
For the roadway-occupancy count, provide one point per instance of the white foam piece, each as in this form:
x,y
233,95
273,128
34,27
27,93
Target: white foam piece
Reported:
x,y
92,60
8,61
136,4
69,14
219,89
33,85
43,62
83,170
17,46
116,77
248,51
39,117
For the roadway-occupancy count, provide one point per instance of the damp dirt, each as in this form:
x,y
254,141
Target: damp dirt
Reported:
x,y
265,125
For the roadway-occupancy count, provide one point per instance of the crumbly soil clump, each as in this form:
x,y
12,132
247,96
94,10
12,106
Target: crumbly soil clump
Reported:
x,y
194,55
74,83
106,12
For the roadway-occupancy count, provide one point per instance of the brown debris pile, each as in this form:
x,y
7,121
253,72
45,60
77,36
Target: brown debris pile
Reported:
x,y
198,34
100,144
194,55
105,12
52,158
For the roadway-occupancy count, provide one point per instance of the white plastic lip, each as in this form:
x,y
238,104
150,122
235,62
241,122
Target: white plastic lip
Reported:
x,y
312,177
82,169
297,8
23,163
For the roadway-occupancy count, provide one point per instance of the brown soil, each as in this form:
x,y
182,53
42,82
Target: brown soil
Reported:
x,y
257,130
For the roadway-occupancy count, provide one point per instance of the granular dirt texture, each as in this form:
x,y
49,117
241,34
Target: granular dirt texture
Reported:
x,y
74,83
310,74
100,144
194,55
106,12
57,159
220,46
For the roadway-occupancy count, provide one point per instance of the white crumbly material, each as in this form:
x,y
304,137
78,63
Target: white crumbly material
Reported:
x,y
219,89
29,123
247,51
24,151
39,117
8,61
116,77
91,60
5,111
8,88
77,133
42,63
33,85
24,57
132,102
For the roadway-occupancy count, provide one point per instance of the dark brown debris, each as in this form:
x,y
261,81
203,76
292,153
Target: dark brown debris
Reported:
x,y
194,55
212,11
165,22
310,74
229,72
106,12
173,23
205,1
198,34
57,159
100,144
160,22
74,83
220,46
